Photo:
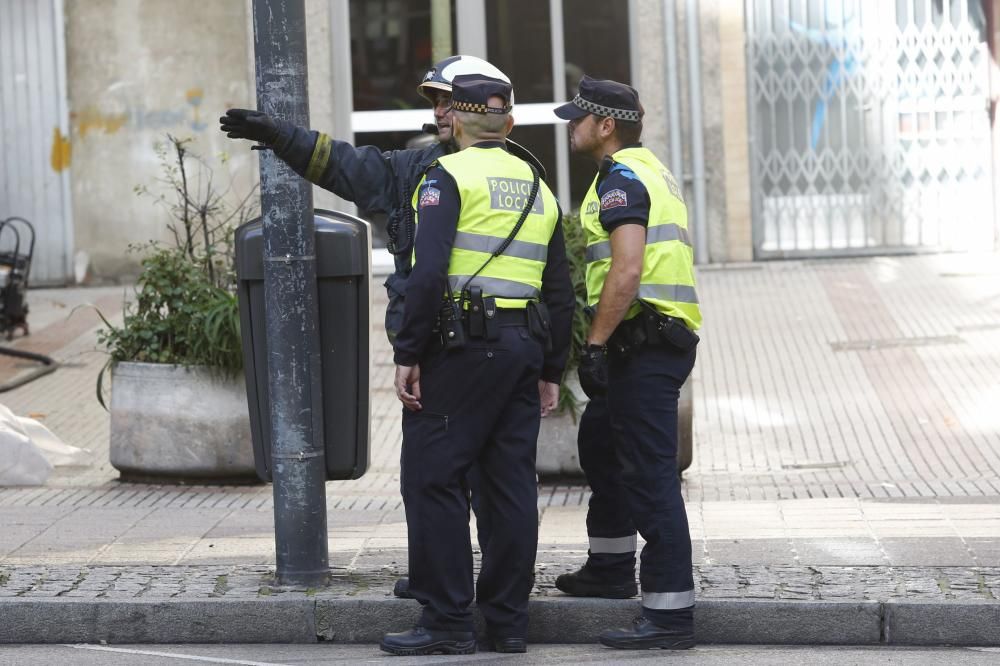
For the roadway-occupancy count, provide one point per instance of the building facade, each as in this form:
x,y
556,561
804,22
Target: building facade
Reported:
x,y
800,128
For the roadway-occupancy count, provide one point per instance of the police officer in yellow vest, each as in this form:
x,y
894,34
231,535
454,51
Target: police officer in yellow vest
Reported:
x,y
640,350
480,353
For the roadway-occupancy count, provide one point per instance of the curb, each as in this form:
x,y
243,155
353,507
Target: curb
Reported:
x,y
553,620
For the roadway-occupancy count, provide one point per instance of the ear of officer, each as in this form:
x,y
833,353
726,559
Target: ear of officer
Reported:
x,y
611,144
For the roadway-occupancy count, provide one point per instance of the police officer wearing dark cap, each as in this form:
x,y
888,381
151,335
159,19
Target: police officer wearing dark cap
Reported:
x,y
640,350
378,182
482,347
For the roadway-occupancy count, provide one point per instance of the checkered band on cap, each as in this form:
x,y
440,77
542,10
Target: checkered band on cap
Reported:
x,y
619,114
478,108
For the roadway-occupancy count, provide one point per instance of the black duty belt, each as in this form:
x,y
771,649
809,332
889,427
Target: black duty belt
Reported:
x,y
652,329
508,316
484,321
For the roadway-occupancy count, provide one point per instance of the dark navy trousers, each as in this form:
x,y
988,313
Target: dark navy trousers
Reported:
x,y
480,405
628,450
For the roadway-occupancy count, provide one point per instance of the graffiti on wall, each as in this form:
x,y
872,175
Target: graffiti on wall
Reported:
x,y
61,153
841,38
139,117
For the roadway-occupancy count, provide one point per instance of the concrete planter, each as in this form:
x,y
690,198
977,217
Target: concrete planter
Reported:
x,y
175,424
557,451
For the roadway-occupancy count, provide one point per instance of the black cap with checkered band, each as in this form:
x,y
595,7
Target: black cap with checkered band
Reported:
x,y
472,92
604,98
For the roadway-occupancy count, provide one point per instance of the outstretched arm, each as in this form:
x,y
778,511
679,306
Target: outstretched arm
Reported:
x,y
363,175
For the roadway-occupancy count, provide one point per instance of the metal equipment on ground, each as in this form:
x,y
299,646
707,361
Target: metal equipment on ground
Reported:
x,y
15,265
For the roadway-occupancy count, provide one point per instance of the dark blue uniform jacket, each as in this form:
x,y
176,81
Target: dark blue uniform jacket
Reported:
x,y
375,181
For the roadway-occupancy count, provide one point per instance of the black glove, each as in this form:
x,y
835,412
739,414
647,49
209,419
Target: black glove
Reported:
x,y
593,370
249,124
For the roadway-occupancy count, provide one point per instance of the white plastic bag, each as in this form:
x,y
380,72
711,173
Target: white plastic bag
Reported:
x,y
28,451
56,451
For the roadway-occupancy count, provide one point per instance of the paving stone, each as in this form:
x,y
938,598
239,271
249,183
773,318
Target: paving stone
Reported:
x,y
838,551
961,623
749,551
945,551
986,551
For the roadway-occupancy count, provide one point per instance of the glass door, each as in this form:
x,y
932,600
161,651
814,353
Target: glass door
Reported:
x,y
545,47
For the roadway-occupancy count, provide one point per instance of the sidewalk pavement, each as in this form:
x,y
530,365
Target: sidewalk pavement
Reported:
x,y
845,488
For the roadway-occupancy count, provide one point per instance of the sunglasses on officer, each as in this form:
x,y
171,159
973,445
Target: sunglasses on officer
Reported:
x,y
442,101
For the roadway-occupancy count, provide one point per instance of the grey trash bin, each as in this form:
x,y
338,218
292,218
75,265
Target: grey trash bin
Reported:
x,y
343,268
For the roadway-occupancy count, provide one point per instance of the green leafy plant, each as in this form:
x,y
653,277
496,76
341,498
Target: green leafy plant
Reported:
x,y
576,248
184,311
178,316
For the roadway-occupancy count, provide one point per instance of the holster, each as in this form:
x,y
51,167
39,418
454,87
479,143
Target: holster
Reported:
x,y
650,327
450,326
670,331
481,317
491,323
627,337
539,323
476,314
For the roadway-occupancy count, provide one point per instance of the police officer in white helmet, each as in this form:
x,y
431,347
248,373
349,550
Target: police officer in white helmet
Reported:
x,y
378,182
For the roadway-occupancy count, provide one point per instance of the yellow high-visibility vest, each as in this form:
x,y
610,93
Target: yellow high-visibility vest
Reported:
x,y
667,280
494,187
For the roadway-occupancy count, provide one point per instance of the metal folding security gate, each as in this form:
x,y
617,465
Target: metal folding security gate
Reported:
x,y
34,133
870,126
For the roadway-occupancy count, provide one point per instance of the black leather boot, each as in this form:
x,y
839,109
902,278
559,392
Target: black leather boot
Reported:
x,y
402,589
585,583
506,645
421,641
644,635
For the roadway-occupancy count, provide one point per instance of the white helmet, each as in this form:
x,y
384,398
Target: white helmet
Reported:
x,y
440,76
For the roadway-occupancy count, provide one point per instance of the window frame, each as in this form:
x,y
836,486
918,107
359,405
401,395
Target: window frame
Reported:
x,y
470,16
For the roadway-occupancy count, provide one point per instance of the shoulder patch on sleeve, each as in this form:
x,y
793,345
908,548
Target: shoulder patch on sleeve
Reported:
x,y
614,199
429,196
624,171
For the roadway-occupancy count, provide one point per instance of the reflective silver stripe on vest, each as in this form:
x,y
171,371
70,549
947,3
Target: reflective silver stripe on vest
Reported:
x,y
661,233
678,293
626,544
667,600
495,286
598,251
667,232
521,249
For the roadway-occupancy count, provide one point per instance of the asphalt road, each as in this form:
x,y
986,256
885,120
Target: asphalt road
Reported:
x,y
275,655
